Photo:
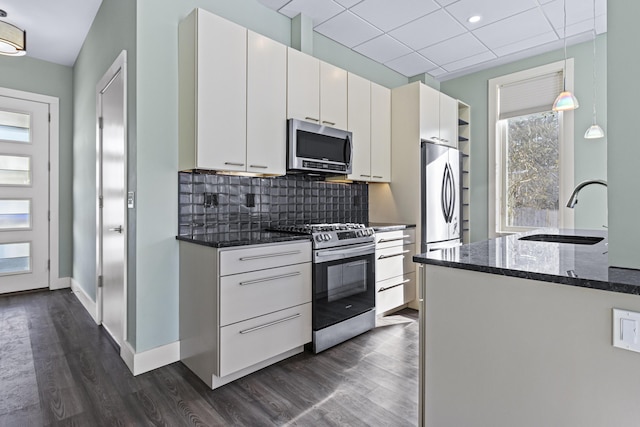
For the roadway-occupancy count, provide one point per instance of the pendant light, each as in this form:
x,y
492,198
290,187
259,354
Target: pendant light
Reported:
x,y
13,40
594,131
566,100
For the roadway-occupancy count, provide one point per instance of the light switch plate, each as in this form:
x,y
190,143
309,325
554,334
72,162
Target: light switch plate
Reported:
x,y
130,199
626,329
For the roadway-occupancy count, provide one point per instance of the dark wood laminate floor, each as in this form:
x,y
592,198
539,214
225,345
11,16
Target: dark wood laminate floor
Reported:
x,y
58,368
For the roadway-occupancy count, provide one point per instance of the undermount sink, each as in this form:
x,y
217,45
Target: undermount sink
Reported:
x,y
559,238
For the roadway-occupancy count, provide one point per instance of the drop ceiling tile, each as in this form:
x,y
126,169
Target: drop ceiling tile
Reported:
x,y
470,61
514,29
383,49
347,29
348,3
490,11
274,4
454,49
438,72
529,43
577,11
388,15
428,30
411,64
318,11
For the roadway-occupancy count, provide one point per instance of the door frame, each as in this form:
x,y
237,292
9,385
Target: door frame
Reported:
x,y
119,65
55,282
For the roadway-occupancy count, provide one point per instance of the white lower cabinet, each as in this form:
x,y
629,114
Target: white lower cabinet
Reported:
x,y
395,270
243,308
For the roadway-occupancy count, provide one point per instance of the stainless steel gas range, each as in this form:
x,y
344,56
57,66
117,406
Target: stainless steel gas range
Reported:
x,y
343,281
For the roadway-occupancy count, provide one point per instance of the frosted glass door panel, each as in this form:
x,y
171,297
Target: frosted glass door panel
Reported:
x,y
15,258
15,170
15,214
15,127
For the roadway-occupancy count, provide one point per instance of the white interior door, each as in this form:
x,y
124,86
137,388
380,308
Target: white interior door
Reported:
x,y
112,193
24,195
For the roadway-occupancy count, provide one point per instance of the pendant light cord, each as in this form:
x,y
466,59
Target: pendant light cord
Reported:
x,y
594,62
564,37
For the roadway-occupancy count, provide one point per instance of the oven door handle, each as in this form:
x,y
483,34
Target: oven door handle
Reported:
x,y
342,253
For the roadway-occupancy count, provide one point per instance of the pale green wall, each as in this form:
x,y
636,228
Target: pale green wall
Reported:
x,y
156,308
46,78
590,155
624,150
112,31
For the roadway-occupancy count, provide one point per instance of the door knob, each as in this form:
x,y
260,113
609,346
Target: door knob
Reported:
x,y
118,229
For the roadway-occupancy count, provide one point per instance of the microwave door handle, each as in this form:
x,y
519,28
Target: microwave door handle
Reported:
x,y
348,150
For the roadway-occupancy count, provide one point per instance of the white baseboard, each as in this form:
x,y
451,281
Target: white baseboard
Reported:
x,y
139,363
60,283
85,300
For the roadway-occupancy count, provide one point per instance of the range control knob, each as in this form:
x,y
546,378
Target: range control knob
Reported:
x,y
327,237
318,238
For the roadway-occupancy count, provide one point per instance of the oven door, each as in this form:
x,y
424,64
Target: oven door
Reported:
x,y
343,283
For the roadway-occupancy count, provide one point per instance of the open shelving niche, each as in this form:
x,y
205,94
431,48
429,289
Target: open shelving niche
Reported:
x,y
464,145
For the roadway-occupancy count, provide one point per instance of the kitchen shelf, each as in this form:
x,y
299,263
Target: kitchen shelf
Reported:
x,y
464,145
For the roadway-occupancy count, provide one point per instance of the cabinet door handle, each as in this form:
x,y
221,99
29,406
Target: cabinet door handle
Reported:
x,y
258,166
268,279
394,255
328,123
366,176
266,325
312,118
404,236
378,176
233,164
394,286
254,257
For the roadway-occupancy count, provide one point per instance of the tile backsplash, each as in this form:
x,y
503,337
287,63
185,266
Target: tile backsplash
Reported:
x,y
210,203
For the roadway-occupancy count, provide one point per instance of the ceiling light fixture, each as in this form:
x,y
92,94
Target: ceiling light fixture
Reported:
x,y
566,100
594,131
473,19
13,41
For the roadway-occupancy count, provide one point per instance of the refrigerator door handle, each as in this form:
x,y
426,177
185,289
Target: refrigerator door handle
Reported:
x,y
452,192
443,195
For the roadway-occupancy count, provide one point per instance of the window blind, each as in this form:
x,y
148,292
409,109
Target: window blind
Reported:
x,y
530,96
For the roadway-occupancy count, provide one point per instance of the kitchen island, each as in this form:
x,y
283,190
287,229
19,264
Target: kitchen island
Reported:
x,y
518,332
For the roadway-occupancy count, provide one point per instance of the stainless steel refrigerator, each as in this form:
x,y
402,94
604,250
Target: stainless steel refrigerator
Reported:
x,y
440,198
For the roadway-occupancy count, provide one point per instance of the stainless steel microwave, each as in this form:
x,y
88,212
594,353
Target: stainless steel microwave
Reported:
x,y
318,149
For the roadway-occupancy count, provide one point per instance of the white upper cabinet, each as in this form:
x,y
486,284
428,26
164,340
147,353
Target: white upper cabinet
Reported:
x,y
266,105
438,117
429,113
232,97
303,86
213,92
448,120
380,133
359,123
316,91
333,96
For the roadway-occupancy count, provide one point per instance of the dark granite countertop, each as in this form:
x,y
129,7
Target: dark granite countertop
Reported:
x,y
244,238
384,226
585,266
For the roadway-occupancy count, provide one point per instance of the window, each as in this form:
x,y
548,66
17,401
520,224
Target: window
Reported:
x,y
530,151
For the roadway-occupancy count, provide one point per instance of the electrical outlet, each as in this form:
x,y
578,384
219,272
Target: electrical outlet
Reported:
x,y
210,200
251,200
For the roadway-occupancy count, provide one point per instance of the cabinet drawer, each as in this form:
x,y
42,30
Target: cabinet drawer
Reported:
x,y
395,292
387,239
247,295
259,257
246,343
394,261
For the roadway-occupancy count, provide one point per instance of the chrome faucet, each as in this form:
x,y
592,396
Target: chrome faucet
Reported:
x,y
574,196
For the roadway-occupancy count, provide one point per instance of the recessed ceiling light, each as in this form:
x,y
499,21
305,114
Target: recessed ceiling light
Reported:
x,y
475,18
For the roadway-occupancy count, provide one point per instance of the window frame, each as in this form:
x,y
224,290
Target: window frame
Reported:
x,y
496,156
